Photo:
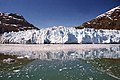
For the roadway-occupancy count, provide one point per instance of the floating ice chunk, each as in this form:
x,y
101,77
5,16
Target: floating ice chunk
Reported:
x,y
16,70
91,79
1,76
65,68
26,56
9,60
60,70
21,57
9,76
27,76
70,68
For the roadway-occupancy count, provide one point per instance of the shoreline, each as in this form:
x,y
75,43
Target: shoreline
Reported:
x,y
52,47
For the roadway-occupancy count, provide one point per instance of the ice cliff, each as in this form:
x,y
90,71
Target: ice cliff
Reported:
x,y
62,35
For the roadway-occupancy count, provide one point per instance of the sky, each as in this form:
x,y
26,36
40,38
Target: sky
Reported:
x,y
48,13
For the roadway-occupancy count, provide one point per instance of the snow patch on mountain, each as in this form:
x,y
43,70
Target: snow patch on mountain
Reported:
x,y
62,35
108,13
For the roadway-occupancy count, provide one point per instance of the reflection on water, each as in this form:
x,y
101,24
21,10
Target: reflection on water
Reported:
x,y
101,64
113,52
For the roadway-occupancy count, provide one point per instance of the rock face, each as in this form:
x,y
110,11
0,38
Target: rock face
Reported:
x,y
14,22
62,35
108,20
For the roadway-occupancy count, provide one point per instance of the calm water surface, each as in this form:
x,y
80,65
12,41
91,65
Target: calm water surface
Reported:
x,y
102,64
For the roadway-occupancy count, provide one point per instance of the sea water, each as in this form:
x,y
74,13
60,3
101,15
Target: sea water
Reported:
x,y
97,64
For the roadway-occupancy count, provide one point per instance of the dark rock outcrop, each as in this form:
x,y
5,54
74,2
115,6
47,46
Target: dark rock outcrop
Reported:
x,y
14,22
108,20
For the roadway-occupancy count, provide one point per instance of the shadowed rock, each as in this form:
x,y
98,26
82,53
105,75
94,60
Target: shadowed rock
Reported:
x,y
14,22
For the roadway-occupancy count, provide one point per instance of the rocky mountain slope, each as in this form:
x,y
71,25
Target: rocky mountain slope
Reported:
x,y
108,20
14,22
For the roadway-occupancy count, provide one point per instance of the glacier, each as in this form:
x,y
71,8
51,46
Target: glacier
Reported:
x,y
62,35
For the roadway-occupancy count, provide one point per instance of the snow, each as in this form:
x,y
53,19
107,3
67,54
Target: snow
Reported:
x,y
108,13
62,35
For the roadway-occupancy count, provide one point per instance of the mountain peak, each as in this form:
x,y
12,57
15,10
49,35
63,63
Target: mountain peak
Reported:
x,y
107,20
14,22
108,13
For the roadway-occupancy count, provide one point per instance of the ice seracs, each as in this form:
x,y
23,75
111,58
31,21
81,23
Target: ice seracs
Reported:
x,y
62,35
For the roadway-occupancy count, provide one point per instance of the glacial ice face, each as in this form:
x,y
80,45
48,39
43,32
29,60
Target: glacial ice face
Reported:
x,y
62,35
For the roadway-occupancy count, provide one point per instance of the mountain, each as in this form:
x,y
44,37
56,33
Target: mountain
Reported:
x,y
108,20
14,22
105,28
